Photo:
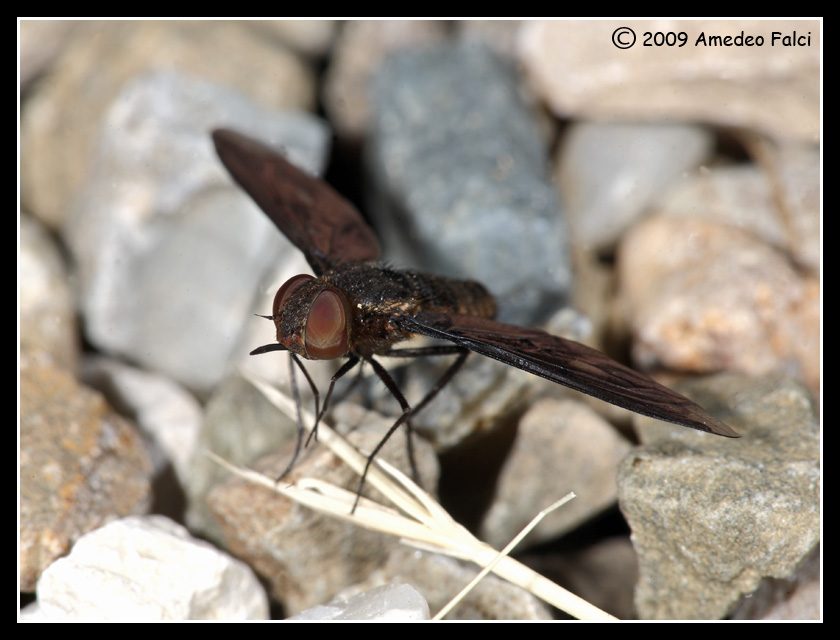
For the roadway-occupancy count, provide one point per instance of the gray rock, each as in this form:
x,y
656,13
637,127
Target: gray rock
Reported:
x,y
439,578
462,180
170,253
713,517
560,446
611,173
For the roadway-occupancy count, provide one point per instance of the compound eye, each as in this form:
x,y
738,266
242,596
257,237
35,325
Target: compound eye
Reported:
x,y
326,328
286,290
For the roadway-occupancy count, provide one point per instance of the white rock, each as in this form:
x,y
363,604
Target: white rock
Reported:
x,y
390,602
148,568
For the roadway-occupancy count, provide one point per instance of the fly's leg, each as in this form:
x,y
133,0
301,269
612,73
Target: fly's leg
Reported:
x,y
407,411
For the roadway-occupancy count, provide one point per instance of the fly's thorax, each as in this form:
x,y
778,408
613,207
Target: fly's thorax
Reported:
x,y
312,318
381,298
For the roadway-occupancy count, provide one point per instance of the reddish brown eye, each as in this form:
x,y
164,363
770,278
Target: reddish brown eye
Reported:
x,y
285,291
326,329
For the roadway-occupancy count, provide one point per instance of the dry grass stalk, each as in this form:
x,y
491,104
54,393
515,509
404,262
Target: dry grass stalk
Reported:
x,y
418,520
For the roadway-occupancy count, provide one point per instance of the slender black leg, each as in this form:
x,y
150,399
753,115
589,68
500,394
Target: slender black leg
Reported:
x,y
345,368
382,373
319,411
408,412
293,360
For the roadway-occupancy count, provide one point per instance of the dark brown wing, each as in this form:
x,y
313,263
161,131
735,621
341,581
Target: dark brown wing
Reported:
x,y
568,363
322,224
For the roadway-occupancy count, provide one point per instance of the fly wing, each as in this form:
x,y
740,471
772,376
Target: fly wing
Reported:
x,y
568,363
326,227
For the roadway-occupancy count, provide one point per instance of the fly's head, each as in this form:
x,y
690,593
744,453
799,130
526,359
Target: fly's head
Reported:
x,y
312,318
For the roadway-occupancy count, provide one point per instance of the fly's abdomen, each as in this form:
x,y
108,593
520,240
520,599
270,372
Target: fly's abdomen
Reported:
x,y
459,297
